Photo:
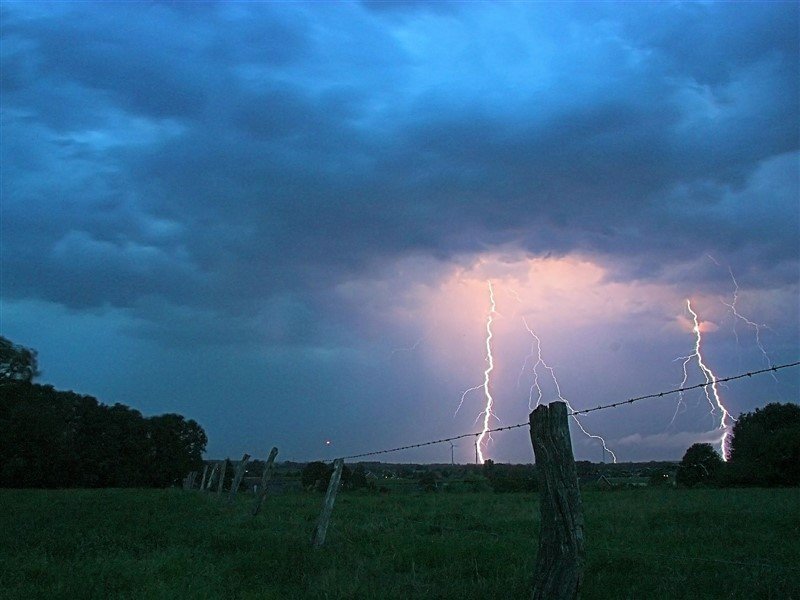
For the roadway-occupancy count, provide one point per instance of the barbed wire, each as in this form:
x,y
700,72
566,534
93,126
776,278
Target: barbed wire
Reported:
x,y
431,443
573,413
685,389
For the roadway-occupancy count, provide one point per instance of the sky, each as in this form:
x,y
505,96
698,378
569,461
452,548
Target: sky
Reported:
x,y
283,219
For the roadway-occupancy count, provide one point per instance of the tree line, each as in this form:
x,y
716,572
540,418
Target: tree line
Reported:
x,y
764,451
56,439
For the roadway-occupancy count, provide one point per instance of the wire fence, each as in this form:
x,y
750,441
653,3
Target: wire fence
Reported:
x,y
574,413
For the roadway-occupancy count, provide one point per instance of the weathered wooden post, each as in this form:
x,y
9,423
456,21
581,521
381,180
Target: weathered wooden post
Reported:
x,y
222,476
237,479
265,477
558,572
318,537
203,480
213,477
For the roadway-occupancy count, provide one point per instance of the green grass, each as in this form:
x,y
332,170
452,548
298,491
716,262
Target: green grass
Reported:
x,y
654,543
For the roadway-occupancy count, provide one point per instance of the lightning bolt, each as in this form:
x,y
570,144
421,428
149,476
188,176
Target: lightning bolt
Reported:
x,y
486,413
754,326
712,396
536,348
739,317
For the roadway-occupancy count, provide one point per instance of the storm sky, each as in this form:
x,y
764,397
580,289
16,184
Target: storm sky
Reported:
x,y
281,219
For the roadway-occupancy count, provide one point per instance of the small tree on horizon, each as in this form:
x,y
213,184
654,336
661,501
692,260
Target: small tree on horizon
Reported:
x,y
700,464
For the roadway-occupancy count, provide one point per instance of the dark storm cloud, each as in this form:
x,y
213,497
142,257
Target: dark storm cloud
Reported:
x,y
227,157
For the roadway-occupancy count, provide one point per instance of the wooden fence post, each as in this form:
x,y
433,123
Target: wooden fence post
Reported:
x,y
318,537
203,480
265,477
213,477
560,560
237,479
222,476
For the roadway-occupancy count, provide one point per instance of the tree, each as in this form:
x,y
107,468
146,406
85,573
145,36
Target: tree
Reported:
x,y
765,447
358,479
50,438
313,473
700,464
34,450
17,363
176,448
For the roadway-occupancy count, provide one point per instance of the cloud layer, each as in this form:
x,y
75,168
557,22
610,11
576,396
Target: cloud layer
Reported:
x,y
241,175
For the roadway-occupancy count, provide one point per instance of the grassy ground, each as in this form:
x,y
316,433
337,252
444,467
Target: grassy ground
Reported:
x,y
171,544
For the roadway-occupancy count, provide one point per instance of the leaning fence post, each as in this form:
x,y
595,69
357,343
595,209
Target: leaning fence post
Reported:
x,y
560,560
265,477
213,477
222,477
318,537
203,480
237,479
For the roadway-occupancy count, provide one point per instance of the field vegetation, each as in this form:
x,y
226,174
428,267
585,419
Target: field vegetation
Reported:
x,y
642,543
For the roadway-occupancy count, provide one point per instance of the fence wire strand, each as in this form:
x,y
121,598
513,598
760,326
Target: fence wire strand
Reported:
x,y
686,389
583,411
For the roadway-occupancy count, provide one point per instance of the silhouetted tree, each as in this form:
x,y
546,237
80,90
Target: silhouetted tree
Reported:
x,y
700,464
313,473
50,438
316,475
176,447
34,444
358,479
765,447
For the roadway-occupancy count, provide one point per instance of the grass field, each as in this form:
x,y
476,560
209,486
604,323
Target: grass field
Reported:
x,y
650,543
